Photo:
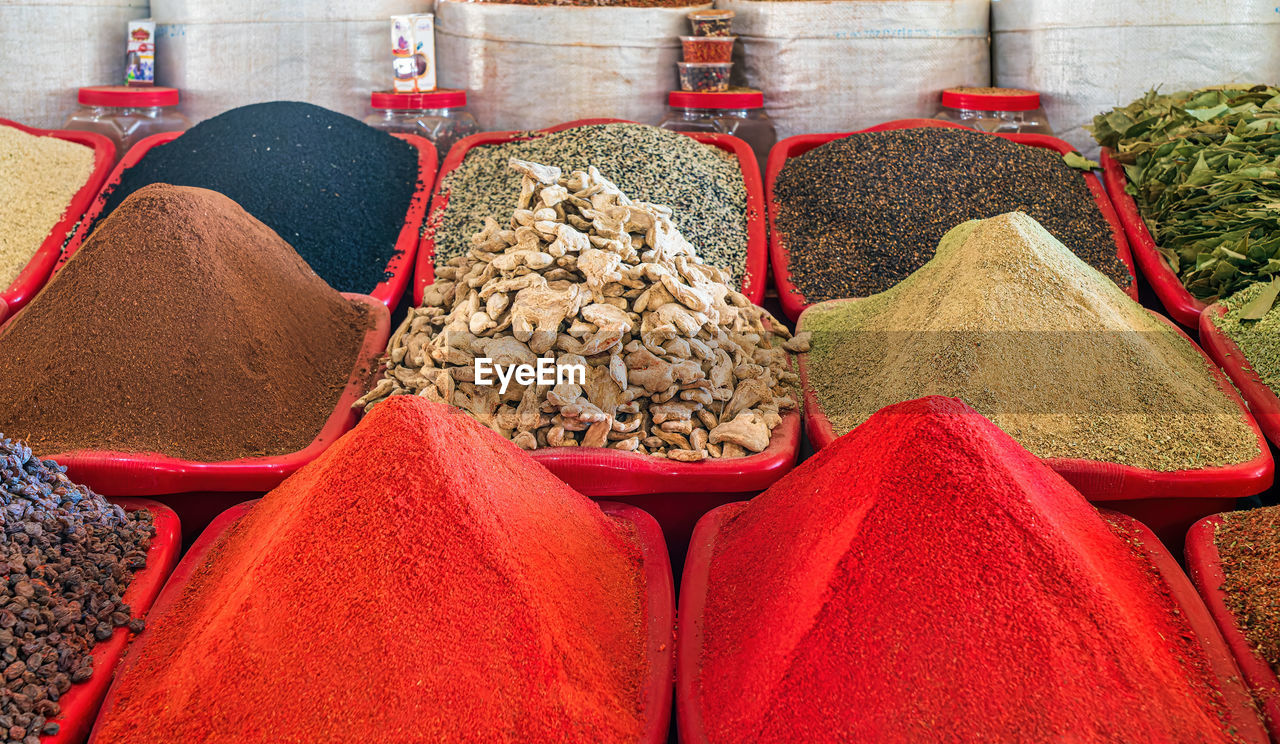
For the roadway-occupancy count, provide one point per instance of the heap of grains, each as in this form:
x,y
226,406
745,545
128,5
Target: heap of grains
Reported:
x,y
1258,339
923,579
859,214
68,557
670,361
1009,320
183,326
1248,544
38,178
702,184
422,581
335,188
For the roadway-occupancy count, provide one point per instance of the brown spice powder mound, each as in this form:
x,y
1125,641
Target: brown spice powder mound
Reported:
x,y
183,326
1249,546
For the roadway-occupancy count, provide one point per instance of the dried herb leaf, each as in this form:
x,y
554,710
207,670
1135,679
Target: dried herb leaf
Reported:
x,y
1080,162
1261,305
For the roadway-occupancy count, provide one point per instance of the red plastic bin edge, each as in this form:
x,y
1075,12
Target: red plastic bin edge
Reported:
x,y
659,608
1182,306
1121,482
1262,400
1205,566
388,291
693,594
143,474
80,704
793,301
40,266
755,272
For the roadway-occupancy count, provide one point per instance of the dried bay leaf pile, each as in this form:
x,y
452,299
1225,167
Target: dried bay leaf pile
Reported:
x,y
1204,167
678,364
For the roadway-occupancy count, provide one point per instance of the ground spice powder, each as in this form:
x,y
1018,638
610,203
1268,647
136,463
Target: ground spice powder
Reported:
x,y
861,213
1248,545
924,578
183,326
423,580
1009,320
1259,340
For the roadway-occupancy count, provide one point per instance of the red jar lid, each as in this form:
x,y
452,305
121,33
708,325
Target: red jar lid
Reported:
x,y
128,96
436,99
991,99
740,98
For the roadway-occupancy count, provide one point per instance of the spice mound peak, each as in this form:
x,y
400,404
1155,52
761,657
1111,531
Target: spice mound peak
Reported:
x,y
1009,320
925,578
654,352
422,580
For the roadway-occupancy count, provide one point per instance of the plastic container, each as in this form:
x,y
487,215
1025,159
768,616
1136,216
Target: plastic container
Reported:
x,y
80,704
754,273
705,78
707,49
440,116
711,22
148,474
693,596
40,266
388,291
1262,400
736,112
659,606
995,110
127,114
1164,281
1205,566
794,303
1168,502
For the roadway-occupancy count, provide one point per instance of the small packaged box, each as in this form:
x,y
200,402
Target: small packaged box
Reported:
x,y
402,52
140,62
424,51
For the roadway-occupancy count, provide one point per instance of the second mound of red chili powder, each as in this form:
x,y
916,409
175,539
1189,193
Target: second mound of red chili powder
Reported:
x,y
423,580
926,579
182,326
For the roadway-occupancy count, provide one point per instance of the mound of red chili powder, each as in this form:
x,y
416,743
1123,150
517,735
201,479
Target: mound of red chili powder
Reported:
x,y
926,579
424,580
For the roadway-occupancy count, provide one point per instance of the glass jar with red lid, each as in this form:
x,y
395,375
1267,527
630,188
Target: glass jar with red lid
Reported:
x,y
1006,110
737,111
441,116
126,114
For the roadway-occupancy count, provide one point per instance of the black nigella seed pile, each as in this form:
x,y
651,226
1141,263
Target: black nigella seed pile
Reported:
x,y
67,556
861,213
334,188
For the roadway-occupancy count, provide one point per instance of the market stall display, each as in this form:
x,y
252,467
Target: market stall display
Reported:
x,y
1191,172
212,341
48,177
926,578
535,615
854,214
1233,560
1008,319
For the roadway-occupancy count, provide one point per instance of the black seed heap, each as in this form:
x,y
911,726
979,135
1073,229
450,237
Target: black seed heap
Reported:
x,y
67,557
861,213
334,188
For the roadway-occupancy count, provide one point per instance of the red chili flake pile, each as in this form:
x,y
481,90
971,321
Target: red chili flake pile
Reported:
x,y
1248,545
925,578
423,580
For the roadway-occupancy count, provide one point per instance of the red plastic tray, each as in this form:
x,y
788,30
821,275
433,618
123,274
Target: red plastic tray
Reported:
x,y
147,474
80,704
388,291
38,269
1263,403
794,302
693,595
1167,492
1179,303
1205,568
660,606
754,274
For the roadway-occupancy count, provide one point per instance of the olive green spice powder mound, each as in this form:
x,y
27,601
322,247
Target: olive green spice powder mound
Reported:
x,y
1259,340
1006,318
